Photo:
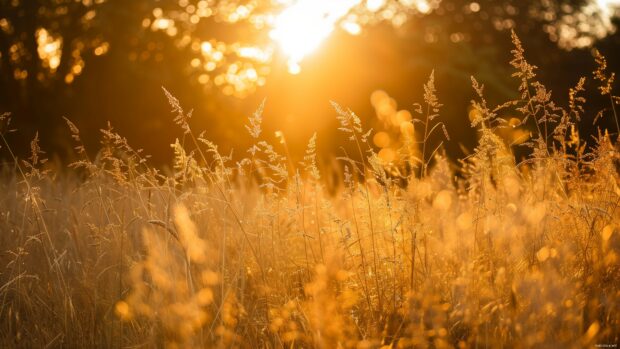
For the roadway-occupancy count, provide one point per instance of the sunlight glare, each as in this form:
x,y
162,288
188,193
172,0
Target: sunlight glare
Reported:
x,y
608,7
374,5
592,22
608,4
302,26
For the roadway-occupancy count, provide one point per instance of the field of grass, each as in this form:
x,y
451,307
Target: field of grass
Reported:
x,y
414,251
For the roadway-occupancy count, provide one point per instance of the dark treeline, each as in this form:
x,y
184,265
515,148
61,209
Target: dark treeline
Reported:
x,y
123,84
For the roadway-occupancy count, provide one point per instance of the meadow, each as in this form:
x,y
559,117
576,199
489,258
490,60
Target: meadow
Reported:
x,y
394,248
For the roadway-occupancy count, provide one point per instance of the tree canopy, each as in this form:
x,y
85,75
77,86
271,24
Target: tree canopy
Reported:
x,y
55,55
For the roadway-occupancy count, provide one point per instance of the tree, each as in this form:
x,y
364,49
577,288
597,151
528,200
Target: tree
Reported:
x,y
52,53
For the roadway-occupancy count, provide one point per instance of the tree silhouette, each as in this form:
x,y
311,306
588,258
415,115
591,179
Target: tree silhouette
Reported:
x,y
223,48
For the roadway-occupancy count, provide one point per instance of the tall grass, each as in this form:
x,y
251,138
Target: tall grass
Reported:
x,y
412,251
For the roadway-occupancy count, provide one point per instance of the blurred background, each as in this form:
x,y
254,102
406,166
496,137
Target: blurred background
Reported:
x,y
94,61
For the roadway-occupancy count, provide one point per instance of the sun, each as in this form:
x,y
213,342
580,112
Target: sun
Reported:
x,y
301,27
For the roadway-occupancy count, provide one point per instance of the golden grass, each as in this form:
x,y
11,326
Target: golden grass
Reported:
x,y
257,253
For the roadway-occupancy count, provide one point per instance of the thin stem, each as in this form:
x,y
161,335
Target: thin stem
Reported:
x,y
613,108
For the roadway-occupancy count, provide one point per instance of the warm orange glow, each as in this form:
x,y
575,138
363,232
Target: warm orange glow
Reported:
x,y
49,49
302,26
416,184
